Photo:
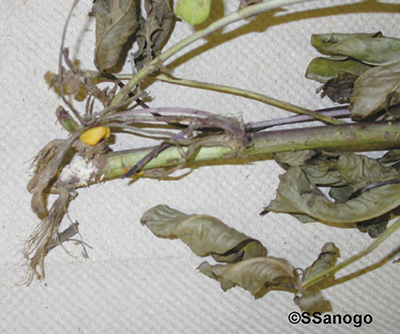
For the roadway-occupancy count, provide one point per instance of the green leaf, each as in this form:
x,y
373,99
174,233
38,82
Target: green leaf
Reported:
x,y
257,275
324,43
116,22
193,11
371,49
375,90
205,235
323,69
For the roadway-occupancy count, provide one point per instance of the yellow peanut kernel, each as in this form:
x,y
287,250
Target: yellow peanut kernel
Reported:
x,y
94,135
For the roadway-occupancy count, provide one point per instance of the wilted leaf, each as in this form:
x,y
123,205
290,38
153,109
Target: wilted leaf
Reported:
x,y
374,227
326,259
298,196
193,11
320,169
341,194
375,90
371,49
257,275
323,42
154,30
116,22
340,88
312,300
346,174
359,170
290,159
66,120
391,158
323,69
205,235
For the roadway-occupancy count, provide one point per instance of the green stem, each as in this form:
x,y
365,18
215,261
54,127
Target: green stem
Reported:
x,y
215,26
250,95
317,278
349,137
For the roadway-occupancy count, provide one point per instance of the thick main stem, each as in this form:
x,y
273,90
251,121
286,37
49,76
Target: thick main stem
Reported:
x,y
349,137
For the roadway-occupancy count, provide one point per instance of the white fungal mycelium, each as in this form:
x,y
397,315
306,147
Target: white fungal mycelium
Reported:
x,y
79,171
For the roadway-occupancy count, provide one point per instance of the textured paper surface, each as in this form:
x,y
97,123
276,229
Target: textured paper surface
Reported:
x,y
132,281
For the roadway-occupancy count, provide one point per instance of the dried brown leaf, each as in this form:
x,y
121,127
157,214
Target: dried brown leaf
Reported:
x,y
326,259
312,300
205,235
116,22
340,88
154,30
375,90
71,84
257,275
298,196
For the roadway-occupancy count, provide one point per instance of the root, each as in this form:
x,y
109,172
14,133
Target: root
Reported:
x,y
45,237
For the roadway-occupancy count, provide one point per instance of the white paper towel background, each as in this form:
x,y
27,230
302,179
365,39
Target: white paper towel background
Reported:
x,y
134,282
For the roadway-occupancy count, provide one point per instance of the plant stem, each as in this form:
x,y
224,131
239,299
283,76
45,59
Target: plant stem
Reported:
x,y
349,137
250,95
337,112
317,278
152,66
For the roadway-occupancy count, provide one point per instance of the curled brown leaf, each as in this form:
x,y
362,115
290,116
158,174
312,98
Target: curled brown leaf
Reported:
x,y
375,90
116,22
205,235
312,299
351,178
154,30
257,275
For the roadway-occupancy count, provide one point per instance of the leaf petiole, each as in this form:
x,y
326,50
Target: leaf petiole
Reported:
x,y
333,270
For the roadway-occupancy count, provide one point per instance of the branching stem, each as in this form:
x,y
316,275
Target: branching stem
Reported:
x,y
250,95
156,63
